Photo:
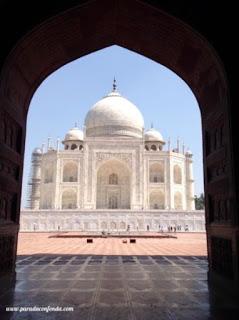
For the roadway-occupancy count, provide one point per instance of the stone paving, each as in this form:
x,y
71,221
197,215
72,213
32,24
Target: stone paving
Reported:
x,y
49,243
108,287
163,279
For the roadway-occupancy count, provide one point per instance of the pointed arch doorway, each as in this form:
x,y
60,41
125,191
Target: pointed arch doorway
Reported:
x,y
145,29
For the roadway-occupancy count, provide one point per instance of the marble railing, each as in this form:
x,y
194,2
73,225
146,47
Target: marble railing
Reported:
x,y
113,220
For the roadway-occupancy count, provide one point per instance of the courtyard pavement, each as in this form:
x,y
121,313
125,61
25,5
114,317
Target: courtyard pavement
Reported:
x,y
100,287
60,276
55,243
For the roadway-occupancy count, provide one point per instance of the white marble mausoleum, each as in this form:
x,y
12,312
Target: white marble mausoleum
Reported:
x,y
112,176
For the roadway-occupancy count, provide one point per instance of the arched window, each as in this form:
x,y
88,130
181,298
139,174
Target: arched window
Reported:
x,y
103,225
93,225
81,147
156,173
70,172
178,203
156,200
146,147
113,225
113,179
74,146
122,225
68,199
177,174
153,147
66,147
113,202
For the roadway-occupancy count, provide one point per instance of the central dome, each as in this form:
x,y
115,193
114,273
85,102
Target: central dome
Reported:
x,y
114,116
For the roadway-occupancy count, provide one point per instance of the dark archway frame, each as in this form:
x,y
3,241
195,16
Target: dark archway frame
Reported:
x,y
150,32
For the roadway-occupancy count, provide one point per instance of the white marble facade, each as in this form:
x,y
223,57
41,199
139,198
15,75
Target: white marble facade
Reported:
x,y
112,220
113,176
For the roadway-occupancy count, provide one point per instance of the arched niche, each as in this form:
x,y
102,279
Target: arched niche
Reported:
x,y
122,225
156,200
177,174
69,199
178,201
156,172
70,172
113,185
113,179
103,225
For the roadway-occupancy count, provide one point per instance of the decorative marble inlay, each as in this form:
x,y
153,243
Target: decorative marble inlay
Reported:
x,y
103,156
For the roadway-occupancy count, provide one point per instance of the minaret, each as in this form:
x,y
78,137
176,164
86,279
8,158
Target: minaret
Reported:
x,y
48,143
43,148
189,181
178,145
183,148
35,180
58,144
169,144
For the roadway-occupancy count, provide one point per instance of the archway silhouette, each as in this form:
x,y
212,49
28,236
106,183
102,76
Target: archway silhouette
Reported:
x,y
146,30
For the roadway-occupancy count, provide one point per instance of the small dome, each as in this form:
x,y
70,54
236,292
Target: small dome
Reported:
x,y
37,151
114,116
153,135
74,134
189,153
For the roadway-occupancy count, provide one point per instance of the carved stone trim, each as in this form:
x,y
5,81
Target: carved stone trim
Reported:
x,y
220,208
11,133
104,156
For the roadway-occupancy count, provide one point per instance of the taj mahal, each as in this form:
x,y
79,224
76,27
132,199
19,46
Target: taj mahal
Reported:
x,y
111,176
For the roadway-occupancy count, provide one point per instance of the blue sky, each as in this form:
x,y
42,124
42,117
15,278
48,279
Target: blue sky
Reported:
x,y
163,98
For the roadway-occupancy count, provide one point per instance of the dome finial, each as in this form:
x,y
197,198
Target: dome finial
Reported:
x,y
152,125
114,85
76,125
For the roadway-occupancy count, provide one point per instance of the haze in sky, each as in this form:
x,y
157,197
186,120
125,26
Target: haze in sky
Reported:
x,y
163,98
